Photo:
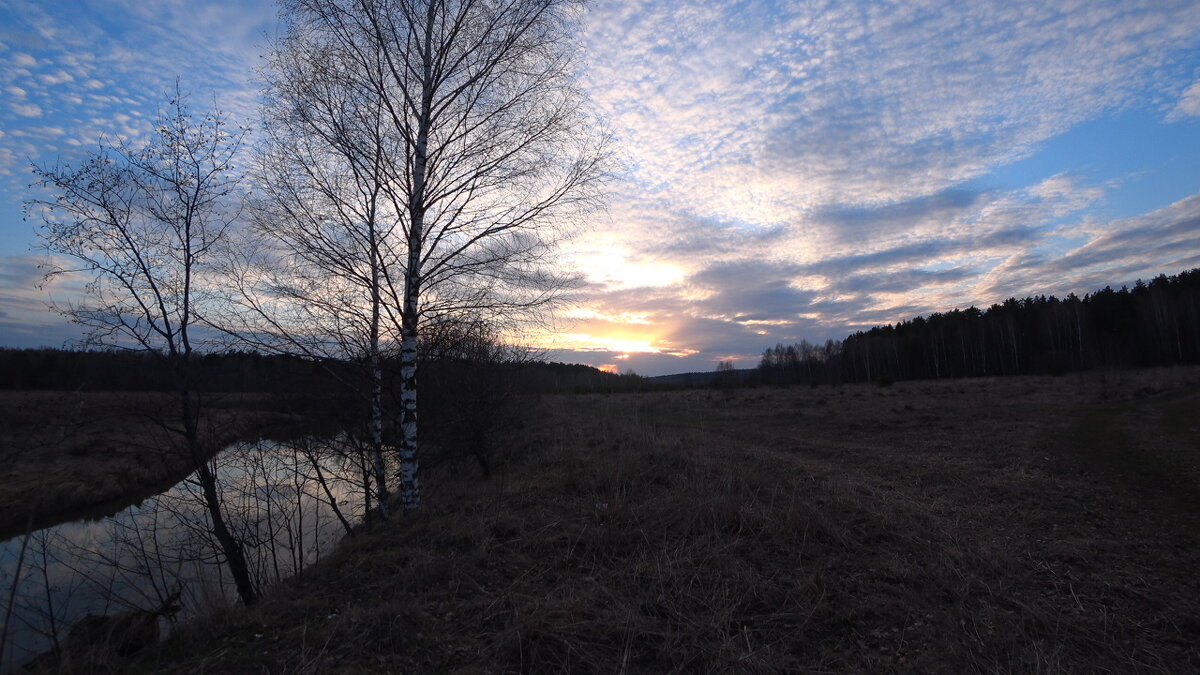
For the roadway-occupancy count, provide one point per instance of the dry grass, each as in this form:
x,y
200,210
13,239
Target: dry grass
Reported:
x,y
968,526
66,455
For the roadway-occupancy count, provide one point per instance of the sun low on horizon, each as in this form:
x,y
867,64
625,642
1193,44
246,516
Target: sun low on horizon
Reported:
x,y
786,171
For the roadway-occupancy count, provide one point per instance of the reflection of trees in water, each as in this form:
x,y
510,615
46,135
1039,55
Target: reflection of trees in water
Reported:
x,y
289,503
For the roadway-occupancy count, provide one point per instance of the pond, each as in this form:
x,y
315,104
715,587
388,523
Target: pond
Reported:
x,y
289,503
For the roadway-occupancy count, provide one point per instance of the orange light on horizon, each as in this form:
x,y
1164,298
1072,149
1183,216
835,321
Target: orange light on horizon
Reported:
x,y
584,342
620,342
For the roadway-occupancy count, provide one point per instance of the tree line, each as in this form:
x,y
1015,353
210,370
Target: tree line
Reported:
x,y
1155,323
111,370
239,371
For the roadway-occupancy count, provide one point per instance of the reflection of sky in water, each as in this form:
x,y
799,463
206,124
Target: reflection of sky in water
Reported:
x,y
271,499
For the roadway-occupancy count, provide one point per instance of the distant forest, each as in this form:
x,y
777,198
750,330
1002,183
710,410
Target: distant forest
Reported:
x,y
1152,324
250,372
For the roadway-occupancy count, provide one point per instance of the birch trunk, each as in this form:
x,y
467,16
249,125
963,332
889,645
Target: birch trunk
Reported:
x,y
410,479
381,491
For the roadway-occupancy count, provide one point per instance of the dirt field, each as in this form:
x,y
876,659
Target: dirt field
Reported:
x,y
67,455
1001,525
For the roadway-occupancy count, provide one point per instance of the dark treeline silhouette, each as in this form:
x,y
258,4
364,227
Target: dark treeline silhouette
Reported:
x,y
541,377
118,370
251,372
1152,324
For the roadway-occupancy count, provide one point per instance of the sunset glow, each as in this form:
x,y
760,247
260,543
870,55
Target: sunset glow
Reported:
x,y
622,347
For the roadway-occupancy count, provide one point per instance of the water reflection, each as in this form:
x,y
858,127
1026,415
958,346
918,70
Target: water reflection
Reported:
x,y
289,503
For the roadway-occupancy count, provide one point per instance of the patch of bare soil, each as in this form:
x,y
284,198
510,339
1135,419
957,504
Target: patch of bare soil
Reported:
x,y
997,525
68,455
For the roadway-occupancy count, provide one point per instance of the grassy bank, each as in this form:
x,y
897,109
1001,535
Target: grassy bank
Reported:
x,y
67,455
1006,525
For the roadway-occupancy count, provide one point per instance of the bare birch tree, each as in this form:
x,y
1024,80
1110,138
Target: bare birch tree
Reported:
x,y
459,122
141,223
311,279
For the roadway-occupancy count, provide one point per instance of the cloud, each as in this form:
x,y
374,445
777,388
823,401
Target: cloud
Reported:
x,y
59,76
26,109
867,222
1166,240
1188,104
750,290
924,251
20,272
693,235
905,282
22,333
764,110
25,319
91,62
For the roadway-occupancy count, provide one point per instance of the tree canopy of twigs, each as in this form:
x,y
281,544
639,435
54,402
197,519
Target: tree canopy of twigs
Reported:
x,y
141,223
420,160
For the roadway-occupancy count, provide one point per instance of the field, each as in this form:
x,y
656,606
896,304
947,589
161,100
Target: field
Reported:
x,y
990,525
67,455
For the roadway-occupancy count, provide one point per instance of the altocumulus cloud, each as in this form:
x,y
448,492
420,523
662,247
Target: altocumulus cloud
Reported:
x,y
813,167
841,102
101,68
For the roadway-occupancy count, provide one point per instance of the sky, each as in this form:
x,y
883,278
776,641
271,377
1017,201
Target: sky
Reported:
x,y
788,170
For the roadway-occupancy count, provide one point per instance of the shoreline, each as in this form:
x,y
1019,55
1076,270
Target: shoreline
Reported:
x,y
85,455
